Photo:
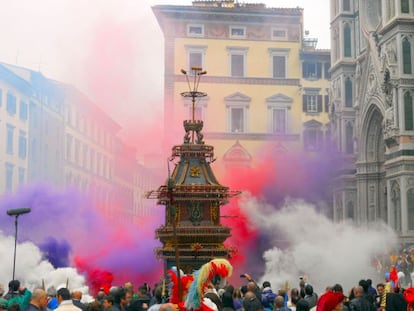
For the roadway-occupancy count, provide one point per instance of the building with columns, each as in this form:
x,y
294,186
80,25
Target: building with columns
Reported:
x,y
372,113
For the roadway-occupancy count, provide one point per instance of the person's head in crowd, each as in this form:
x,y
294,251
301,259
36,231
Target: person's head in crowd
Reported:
x,y
39,298
100,295
302,305
227,300
158,294
14,285
95,306
108,301
237,294
279,302
168,307
119,295
364,284
337,288
77,295
308,290
129,286
63,294
294,292
251,303
294,299
266,284
243,290
230,288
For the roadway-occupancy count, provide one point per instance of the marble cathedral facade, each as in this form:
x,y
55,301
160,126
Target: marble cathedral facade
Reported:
x,y
372,111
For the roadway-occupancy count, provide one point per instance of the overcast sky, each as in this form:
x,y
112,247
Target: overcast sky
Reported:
x,y
110,49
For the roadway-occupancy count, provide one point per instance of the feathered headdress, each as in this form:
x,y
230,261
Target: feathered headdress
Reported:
x,y
203,277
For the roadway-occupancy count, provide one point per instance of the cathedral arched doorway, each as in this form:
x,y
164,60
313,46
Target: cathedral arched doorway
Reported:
x,y
370,175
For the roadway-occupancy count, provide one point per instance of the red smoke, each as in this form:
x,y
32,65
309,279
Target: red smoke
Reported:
x,y
95,277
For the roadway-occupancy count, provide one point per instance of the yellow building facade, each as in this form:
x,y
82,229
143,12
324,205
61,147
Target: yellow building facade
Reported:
x,y
256,92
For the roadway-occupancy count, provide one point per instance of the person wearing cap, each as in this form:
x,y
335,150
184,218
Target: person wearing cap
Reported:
x,y
39,300
18,294
65,301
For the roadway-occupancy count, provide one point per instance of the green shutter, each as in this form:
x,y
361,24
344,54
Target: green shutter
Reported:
x,y
408,112
305,107
319,103
406,47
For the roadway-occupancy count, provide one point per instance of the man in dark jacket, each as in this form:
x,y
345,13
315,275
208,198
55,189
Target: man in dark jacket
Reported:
x,y
360,303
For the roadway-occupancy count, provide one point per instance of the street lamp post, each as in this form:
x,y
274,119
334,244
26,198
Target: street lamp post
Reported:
x,y
16,213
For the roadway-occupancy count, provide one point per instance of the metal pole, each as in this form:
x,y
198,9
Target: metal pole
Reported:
x,y
15,245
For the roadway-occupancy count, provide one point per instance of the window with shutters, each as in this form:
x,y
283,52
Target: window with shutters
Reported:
x,y
22,144
9,176
9,138
346,5
348,92
278,61
237,32
327,67
279,106
408,112
21,175
312,103
279,124
349,138
312,135
347,41
237,113
405,6
237,61
406,49
279,66
11,104
326,103
237,65
279,34
195,30
312,70
410,209
23,111
195,56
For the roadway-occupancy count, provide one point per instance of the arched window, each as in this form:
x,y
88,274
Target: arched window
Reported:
x,y
406,48
408,112
349,138
348,92
410,209
347,41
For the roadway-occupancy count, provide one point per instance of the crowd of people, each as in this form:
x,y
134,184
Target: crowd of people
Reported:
x,y
249,297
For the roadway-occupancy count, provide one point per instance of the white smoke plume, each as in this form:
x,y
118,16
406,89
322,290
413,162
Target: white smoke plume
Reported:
x,y
32,271
326,252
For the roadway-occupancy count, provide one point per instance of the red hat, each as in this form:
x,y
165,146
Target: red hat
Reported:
x,y
329,300
409,296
